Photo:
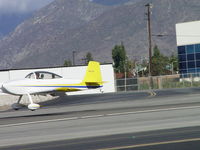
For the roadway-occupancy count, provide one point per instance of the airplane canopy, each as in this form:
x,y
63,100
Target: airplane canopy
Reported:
x,y
42,75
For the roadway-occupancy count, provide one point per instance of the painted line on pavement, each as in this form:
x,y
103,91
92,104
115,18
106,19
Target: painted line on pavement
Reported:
x,y
152,93
97,116
152,144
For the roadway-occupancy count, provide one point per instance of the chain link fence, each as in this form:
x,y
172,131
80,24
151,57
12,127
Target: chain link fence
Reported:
x,y
158,82
128,84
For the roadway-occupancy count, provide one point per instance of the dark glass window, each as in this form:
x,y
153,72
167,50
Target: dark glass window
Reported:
x,y
182,57
183,71
198,69
181,49
191,64
190,57
198,63
182,65
197,74
191,70
184,75
190,49
197,48
197,55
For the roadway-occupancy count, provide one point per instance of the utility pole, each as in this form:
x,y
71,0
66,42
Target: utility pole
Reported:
x,y
149,6
73,56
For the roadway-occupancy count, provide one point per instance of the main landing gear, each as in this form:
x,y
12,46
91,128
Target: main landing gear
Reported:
x,y
17,106
32,106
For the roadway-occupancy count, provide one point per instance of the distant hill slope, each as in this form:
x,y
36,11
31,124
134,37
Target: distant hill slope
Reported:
x,y
55,31
45,32
110,2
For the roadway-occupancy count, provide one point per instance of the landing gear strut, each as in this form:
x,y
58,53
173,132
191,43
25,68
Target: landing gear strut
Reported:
x,y
17,106
32,106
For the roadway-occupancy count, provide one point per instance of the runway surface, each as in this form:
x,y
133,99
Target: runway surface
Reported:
x,y
184,139
140,120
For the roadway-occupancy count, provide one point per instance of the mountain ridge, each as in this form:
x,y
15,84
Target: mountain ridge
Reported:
x,y
62,27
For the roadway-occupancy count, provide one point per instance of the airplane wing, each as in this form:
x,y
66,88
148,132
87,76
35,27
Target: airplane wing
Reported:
x,y
52,93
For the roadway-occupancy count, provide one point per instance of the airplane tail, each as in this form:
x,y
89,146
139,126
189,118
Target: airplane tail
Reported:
x,y
93,74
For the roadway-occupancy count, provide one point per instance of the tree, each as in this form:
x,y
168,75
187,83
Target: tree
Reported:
x,y
159,63
89,57
141,67
173,60
67,63
119,57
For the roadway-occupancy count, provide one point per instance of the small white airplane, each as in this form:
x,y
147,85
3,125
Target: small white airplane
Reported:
x,y
41,82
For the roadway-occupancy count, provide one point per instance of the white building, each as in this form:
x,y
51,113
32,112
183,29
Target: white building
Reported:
x,y
188,43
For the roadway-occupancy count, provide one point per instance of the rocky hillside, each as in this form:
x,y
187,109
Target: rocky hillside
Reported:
x,y
43,33
83,26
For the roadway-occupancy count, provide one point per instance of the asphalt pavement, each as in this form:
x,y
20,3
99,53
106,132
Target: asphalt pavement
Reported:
x,y
173,139
162,119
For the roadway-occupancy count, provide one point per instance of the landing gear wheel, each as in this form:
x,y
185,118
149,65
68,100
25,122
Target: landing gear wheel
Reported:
x,y
16,106
33,106
101,90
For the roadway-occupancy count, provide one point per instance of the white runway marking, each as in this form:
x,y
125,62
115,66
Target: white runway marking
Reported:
x,y
97,116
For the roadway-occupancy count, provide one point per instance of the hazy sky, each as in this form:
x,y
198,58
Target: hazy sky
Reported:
x,y
21,6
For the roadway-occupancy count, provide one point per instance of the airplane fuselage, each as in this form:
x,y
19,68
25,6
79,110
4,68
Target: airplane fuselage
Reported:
x,y
22,87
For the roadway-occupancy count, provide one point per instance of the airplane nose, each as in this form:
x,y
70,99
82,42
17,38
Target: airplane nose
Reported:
x,y
4,88
10,88
1,89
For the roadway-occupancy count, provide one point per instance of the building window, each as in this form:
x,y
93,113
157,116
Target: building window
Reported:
x,y
183,71
197,48
190,57
198,69
182,58
191,64
198,63
197,56
190,49
181,50
191,70
182,65
189,60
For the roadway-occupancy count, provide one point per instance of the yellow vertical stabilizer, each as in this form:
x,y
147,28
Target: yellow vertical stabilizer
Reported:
x,y
93,73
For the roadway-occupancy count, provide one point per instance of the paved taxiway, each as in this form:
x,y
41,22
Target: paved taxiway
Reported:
x,y
174,139
104,115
